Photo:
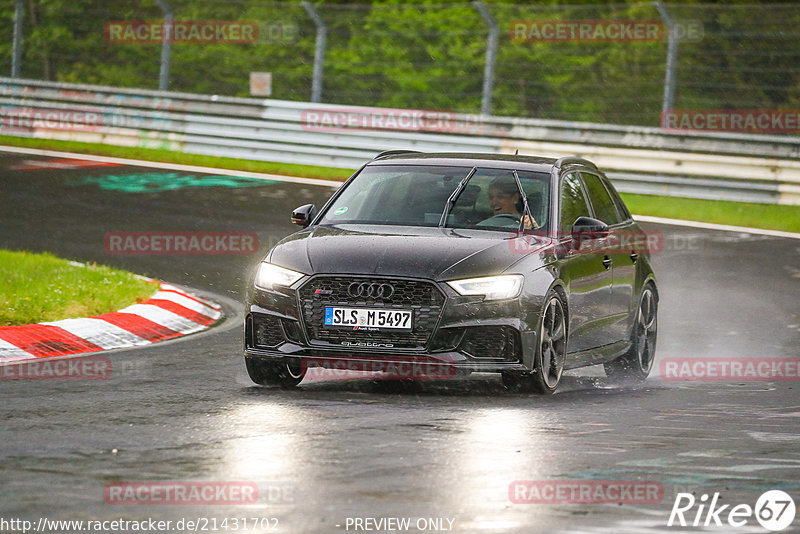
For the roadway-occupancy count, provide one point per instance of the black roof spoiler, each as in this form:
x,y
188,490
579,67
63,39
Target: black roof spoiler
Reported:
x,y
573,159
386,153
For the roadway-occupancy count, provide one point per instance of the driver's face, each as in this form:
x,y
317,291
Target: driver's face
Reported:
x,y
501,202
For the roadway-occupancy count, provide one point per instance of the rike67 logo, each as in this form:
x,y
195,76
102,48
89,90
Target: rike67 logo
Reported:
x,y
774,510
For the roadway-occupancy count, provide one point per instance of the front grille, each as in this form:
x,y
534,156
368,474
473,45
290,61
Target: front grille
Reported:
x,y
423,298
491,342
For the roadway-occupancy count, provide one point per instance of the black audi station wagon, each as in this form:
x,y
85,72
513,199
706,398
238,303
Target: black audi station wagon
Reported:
x,y
524,266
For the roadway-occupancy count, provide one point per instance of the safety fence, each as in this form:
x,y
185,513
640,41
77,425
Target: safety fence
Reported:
x,y
603,62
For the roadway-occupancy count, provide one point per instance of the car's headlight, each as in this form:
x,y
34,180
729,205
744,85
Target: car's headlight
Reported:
x,y
270,275
505,286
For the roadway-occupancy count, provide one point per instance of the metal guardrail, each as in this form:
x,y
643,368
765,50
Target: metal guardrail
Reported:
x,y
754,168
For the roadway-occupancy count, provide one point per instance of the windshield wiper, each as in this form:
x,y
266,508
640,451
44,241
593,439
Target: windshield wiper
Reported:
x,y
526,211
451,200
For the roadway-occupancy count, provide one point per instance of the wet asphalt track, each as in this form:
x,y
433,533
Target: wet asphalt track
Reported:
x,y
185,410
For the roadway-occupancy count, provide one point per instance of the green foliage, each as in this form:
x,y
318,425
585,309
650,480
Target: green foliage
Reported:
x,y
747,214
171,156
40,287
430,55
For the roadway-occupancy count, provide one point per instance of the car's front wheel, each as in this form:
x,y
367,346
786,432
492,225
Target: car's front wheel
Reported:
x,y
268,373
551,353
637,362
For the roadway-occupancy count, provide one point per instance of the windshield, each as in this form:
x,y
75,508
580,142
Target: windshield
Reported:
x,y
417,196
396,194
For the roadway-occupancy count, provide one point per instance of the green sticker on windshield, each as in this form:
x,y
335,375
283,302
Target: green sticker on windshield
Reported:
x,y
340,210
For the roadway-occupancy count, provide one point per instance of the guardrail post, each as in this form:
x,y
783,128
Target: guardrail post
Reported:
x,y
319,51
16,56
491,55
166,45
672,58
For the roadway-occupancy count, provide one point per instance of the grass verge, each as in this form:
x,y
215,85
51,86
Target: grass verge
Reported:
x,y
169,156
768,216
41,287
752,215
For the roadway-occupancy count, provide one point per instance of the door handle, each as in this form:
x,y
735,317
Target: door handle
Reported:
x,y
634,257
606,262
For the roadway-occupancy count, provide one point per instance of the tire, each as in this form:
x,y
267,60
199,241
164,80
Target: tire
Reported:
x,y
268,373
551,352
637,362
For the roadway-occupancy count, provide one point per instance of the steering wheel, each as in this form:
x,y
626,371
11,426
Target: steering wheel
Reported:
x,y
505,216
501,219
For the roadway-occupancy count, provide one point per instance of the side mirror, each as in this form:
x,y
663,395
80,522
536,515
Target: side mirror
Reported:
x,y
586,228
304,215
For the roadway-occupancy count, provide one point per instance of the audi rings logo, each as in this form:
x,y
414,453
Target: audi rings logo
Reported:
x,y
375,291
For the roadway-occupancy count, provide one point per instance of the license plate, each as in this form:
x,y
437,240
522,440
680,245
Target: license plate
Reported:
x,y
366,318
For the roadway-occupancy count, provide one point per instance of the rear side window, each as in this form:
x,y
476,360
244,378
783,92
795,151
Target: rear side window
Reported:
x,y
601,201
573,204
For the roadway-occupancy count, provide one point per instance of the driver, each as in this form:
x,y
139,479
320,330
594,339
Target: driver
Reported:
x,y
506,204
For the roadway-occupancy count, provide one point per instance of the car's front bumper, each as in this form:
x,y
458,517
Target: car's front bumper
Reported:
x,y
467,334
437,363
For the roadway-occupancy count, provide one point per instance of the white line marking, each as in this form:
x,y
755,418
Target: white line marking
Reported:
x,y
170,287
99,332
12,353
171,166
187,303
166,318
713,226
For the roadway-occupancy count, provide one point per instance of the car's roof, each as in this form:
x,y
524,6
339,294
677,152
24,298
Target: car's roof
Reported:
x,y
502,161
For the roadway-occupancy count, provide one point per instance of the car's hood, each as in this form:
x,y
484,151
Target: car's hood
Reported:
x,y
435,253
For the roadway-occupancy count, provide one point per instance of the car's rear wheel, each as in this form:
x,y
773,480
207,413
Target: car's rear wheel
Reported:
x,y
638,361
286,374
551,352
